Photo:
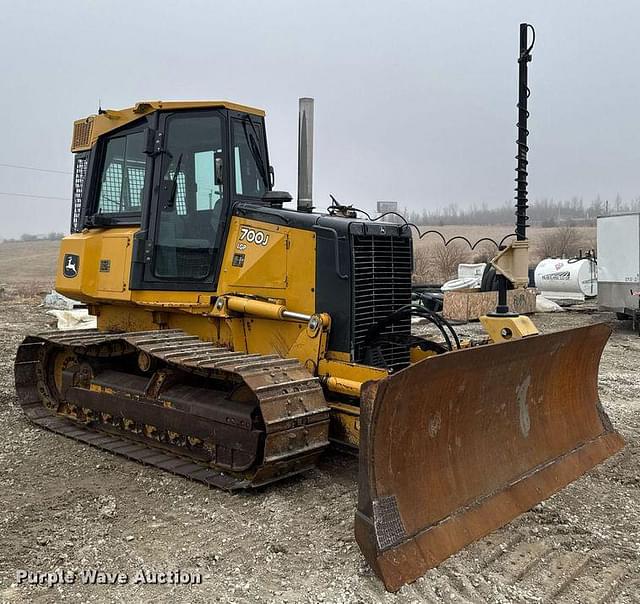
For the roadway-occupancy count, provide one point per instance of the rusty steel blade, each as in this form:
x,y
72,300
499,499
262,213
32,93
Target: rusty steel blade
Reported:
x,y
458,445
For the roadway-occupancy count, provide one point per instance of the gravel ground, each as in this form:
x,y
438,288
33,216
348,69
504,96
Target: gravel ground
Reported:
x,y
69,506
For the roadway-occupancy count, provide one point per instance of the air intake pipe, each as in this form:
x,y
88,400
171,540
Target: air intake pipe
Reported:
x,y
305,155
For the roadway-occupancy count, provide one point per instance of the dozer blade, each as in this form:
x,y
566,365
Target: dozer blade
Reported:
x,y
458,445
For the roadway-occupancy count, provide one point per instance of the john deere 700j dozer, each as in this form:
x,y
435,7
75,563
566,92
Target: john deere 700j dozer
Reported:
x,y
236,338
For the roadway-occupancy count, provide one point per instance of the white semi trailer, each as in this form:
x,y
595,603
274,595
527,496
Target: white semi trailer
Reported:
x,y
619,264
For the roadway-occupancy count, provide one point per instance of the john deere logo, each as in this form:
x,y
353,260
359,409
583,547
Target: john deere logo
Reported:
x,y
71,265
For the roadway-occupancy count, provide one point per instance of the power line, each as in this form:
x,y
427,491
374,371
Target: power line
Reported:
x,y
34,196
34,169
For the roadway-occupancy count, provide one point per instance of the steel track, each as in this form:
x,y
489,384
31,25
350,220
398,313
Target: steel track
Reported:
x,y
291,401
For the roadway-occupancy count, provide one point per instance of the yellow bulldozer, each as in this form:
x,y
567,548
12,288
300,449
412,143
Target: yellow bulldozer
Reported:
x,y
237,339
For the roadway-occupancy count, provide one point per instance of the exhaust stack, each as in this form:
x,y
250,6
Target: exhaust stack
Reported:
x,y
305,155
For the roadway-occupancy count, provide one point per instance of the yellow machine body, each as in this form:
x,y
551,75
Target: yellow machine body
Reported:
x,y
275,277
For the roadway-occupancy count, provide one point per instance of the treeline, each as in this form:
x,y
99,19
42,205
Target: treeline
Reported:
x,y
40,237
544,212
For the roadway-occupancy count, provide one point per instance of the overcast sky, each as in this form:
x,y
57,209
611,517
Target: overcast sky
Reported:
x,y
415,101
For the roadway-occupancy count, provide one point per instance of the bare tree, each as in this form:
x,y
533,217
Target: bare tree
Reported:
x,y
421,265
484,252
543,212
560,242
444,260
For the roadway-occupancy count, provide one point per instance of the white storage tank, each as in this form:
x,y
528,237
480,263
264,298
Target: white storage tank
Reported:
x,y
567,279
619,262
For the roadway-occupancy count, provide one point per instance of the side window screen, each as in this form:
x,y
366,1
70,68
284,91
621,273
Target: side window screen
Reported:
x,y
123,172
79,177
247,159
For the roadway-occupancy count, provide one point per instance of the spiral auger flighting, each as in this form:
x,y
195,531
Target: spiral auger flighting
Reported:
x,y
523,115
421,234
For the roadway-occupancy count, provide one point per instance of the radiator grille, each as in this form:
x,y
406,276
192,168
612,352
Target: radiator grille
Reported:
x,y
79,177
381,285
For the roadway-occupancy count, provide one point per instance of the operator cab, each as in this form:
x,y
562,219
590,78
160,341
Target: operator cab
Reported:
x,y
176,172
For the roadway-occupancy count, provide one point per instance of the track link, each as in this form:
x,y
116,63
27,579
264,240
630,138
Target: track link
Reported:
x,y
291,401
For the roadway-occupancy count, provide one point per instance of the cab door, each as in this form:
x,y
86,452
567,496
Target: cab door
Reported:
x,y
187,214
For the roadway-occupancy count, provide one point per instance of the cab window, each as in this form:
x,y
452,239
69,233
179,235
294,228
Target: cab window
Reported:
x,y
122,177
248,158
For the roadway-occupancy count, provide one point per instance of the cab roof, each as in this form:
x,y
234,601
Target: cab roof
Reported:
x,y
86,131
